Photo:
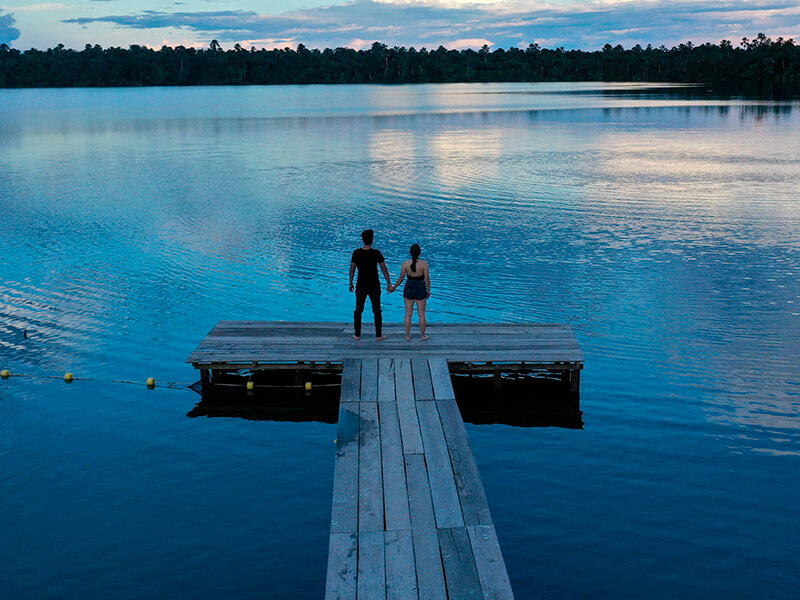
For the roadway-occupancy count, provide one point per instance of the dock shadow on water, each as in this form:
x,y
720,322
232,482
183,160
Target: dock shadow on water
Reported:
x,y
518,399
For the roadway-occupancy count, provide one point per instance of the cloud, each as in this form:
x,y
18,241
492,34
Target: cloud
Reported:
x,y
504,23
468,43
41,7
8,33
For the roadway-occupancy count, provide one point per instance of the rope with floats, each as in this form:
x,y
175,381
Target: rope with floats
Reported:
x,y
69,377
151,384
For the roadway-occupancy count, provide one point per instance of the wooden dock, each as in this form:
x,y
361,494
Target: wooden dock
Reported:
x,y
410,517
263,345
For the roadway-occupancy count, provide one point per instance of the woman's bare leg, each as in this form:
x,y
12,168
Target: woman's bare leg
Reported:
x,y
423,322
409,313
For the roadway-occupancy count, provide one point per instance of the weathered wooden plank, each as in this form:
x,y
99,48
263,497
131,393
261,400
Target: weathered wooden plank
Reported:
x,y
351,380
407,411
467,326
430,576
409,427
395,490
371,566
305,334
454,345
369,380
423,387
287,324
446,505
401,575
246,358
474,506
481,332
404,383
386,385
419,492
370,481
344,515
390,348
440,377
459,564
346,326
297,352
428,563
489,562
342,575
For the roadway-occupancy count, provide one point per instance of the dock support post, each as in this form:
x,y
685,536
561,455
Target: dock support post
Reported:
x,y
205,378
575,390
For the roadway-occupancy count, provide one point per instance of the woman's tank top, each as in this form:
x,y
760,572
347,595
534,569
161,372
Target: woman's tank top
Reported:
x,y
415,277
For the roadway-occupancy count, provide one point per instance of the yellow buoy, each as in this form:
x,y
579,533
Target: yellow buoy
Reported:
x,y
250,386
151,382
68,377
5,373
308,386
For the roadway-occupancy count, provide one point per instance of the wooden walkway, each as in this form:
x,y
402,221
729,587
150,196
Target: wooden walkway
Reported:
x,y
410,518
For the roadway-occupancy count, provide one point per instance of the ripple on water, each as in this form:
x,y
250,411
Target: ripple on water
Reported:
x,y
663,228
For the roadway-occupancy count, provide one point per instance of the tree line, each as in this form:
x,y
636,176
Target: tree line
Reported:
x,y
760,60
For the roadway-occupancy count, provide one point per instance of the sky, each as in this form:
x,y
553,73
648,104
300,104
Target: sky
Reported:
x,y
586,24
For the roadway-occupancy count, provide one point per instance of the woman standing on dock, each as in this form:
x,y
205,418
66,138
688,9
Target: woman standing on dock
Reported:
x,y
417,289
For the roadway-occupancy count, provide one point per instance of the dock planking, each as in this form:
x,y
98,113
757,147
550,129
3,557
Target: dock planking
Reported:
x,y
240,344
417,492
409,517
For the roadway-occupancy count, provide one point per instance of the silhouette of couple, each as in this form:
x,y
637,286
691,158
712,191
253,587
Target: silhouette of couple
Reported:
x,y
417,290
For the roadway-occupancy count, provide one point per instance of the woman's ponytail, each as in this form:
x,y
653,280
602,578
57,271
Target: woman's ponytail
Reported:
x,y
415,250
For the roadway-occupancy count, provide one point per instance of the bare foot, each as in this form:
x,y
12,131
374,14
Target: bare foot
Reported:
x,y
425,337
408,338
380,339
356,338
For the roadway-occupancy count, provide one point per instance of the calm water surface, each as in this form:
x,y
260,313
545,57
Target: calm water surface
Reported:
x,y
663,225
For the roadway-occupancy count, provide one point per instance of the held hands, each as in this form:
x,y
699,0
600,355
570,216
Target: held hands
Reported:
x,y
390,288
352,289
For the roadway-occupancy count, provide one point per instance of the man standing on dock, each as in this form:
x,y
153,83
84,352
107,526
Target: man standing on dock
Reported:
x,y
366,259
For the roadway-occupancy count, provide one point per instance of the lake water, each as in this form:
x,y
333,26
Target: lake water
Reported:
x,y
662,223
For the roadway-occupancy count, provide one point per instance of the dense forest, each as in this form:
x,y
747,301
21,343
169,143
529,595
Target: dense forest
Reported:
x,y
760,60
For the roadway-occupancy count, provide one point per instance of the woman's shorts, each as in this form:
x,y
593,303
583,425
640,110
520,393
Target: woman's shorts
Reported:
x,y
415,290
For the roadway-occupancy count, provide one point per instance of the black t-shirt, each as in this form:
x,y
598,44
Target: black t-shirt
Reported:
x,y
367,262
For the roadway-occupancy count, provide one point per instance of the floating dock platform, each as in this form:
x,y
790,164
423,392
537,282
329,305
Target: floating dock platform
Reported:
x,y
410,517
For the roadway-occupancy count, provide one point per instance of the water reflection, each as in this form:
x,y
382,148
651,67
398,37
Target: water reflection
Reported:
x,y
661,223
274,407
661,227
